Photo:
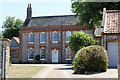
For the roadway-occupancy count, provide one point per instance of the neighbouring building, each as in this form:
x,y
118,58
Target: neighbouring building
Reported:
x,y
14,50
47,36
110,33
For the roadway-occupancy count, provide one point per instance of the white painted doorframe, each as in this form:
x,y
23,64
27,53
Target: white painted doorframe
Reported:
x,y
55,56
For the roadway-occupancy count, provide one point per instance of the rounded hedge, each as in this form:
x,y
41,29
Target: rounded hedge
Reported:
x,y
90,59
37,57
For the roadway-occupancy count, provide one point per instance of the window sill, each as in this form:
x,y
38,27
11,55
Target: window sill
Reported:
x,y
68,59
42,59
42,42
30,59
31,42
55,42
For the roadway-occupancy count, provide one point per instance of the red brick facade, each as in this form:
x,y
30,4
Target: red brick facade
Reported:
x,y
48,45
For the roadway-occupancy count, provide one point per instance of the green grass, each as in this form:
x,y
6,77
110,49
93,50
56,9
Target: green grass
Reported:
x,y
23,71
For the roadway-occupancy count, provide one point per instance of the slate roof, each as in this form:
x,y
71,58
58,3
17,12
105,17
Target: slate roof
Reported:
x,y
50,20
112,21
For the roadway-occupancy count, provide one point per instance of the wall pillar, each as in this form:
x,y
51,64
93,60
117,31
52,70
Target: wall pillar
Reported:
x,y
4,51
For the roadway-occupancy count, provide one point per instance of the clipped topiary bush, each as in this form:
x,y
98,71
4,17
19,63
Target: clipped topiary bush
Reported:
x,y
37,58
90,59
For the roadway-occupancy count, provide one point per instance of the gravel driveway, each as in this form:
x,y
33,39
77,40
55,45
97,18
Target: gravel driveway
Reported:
x,y
66,71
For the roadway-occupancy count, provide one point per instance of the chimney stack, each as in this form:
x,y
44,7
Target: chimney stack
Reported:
x,y
103,17
29,11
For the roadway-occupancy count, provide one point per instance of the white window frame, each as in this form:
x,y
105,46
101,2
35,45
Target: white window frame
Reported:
x,y
66,54
82,31
40,53
53,38
29,38
40,37
28,54
69,35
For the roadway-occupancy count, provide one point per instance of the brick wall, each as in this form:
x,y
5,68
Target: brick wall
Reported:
x,y
48,45
14,55
24,53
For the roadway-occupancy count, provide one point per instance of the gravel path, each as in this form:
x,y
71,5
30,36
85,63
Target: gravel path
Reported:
x,y
66,71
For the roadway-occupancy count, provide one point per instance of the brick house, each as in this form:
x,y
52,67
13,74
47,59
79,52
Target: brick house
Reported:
x,y
14,50
109,34
47,36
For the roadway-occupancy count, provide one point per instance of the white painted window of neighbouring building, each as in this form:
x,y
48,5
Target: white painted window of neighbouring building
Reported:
x,y
42,53
30,54
81,31
68,33
55,37
68,53
31,37
42,37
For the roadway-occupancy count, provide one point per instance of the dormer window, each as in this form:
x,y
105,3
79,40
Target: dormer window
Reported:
x,y
31,38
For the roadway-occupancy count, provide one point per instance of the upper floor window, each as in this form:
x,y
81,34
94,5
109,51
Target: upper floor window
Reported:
x,y
42,54
31,37
42,37
55,37
30,54
67,35
68,54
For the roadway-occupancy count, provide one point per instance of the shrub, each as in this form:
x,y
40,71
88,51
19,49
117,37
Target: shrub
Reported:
x,y
91,59
79,40
37,57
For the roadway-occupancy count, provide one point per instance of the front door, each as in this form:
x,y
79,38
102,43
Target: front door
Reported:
x,y
54,56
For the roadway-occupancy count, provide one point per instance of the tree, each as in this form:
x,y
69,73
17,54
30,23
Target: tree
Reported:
x,y
90,13
79,40
11,26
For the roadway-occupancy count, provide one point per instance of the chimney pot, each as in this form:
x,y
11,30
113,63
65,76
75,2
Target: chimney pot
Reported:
x,y
29,11
30,5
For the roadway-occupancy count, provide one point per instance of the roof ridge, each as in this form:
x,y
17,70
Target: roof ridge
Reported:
x,y
52,16
112,10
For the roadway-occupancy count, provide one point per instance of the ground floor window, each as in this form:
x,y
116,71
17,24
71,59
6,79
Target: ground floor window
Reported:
x,y
42,54
68,54
30,54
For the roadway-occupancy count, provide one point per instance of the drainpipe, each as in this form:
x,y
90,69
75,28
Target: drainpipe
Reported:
x,y
3,63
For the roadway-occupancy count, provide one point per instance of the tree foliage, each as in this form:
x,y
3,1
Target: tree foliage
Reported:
x,y
79,40
11,26
90,13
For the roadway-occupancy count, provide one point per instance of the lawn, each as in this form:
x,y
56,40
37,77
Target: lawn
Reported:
x,y
23,71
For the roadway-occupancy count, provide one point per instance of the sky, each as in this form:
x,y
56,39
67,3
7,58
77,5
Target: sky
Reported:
x,y
18,8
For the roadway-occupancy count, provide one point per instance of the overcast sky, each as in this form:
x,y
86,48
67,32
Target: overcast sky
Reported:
x,y
17,8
